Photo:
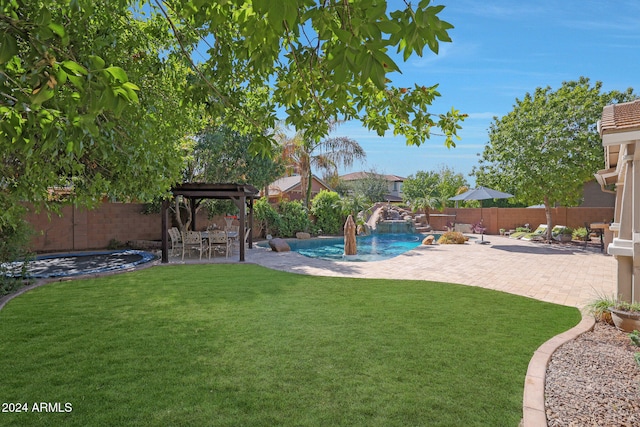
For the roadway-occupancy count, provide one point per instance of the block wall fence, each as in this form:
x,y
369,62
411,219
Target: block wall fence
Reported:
x,y
78,229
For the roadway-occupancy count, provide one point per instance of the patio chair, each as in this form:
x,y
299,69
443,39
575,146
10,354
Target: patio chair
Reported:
x,y
176,241
191,240
539,233
218,242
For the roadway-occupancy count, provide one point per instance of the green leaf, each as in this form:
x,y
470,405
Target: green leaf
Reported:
x,y
389,27
42,95
97,63
57,29
74,68
9,48
117,73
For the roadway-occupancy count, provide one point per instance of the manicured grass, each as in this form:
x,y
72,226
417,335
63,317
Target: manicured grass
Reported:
x,y
230,345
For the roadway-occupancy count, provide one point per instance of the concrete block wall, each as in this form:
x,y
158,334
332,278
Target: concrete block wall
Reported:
x,y
80,229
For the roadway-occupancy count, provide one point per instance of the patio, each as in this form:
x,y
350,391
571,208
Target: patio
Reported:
x,y
558,273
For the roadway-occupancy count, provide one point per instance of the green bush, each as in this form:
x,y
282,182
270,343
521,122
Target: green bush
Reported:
x,y
267,217
580,234
15,234
294,218
328,213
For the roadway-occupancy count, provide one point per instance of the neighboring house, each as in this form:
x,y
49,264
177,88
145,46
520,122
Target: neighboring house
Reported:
x,y
394,184
288,188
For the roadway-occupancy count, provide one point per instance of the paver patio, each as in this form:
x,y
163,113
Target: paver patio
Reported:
x,y
558,273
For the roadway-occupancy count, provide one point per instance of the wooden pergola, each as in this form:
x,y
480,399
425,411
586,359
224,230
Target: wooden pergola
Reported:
x,y
242,195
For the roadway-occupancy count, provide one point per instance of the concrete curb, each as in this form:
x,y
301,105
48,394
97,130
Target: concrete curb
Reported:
x,y
533,409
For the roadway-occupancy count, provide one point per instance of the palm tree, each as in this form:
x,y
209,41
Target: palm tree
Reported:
x,y
301,154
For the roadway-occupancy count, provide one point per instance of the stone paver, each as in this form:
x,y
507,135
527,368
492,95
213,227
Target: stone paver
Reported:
x,y
562,274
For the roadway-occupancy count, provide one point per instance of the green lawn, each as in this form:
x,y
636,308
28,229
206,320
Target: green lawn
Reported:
x,y
231,345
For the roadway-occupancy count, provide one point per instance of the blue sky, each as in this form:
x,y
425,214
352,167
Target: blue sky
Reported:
x,y
500,51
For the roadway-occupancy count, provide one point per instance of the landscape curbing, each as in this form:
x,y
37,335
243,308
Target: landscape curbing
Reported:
x,y
533,401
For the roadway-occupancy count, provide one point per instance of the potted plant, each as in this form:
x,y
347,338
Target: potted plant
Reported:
x,y
566,234
626,315
502,231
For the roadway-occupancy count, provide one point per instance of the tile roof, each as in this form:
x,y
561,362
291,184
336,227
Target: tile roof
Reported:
x,y
361,175
620,117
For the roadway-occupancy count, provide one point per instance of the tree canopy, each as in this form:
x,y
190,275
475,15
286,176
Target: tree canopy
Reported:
x,y
95,95
220,154
432,189
548,146
72,116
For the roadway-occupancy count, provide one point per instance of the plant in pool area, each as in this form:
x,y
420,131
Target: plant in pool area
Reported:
x,y
452,237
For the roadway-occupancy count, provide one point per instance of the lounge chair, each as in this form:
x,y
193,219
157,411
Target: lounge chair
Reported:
x,y
538,234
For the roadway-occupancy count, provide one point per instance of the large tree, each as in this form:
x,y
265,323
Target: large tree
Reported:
x,y
548,146
97,85
71,115
301,154
220,154
432,189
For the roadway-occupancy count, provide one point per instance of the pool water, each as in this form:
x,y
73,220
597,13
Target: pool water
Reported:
x,y
375,247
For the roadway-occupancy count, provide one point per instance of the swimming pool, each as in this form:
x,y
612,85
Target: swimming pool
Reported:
x,y
375,247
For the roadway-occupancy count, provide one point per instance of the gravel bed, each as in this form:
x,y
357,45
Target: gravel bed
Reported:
x,y
594,381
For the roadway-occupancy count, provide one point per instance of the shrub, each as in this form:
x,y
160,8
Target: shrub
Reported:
x,y
294,218
452,237
326,209
580,234
599,308
267,217
15,234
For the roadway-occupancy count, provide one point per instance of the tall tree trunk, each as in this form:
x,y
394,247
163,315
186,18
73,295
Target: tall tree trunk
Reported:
x,y
547,212
307,198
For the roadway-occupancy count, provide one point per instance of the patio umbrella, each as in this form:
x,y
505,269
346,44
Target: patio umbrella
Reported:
x,y
481,193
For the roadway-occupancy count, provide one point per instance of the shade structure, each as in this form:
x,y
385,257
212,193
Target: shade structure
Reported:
x,y
481,193
350,236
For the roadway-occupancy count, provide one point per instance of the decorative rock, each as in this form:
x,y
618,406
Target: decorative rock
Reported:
x,y
279,245
428,240
303,235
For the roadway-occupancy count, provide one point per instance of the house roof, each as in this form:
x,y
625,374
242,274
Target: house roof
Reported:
x,y
362,175
288,183
620,117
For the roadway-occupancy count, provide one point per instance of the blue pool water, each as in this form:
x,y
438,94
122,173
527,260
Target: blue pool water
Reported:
x,y
375,247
